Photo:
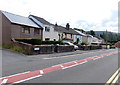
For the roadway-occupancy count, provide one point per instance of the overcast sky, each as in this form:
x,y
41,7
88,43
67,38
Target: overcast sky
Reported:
x,y
84,14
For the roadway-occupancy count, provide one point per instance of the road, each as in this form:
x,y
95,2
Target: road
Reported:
x,y
95,70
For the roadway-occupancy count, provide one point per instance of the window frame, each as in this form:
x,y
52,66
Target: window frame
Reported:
x,y
47,29
36,31
26,30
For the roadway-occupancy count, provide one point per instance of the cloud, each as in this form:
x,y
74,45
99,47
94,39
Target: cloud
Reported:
x,y
110,23
86,14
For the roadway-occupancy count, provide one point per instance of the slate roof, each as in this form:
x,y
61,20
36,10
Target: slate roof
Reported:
x,y
20,19
41,20
63,29
57,28
81,33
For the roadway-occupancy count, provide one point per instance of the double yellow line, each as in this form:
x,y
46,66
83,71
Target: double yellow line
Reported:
x,y
114,78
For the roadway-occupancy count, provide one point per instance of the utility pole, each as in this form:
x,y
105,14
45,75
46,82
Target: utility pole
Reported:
x,y
106,39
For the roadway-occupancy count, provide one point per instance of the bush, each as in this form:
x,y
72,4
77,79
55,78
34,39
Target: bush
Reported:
x,y
53,42
7,46
31,41
16,48
83,43
39,41
106,44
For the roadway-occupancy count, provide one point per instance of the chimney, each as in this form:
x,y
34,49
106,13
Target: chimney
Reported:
x,y
56,24
67,26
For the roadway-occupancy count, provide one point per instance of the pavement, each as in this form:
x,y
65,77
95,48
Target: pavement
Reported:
x,y
14,63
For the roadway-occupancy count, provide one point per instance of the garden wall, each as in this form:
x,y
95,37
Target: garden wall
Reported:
x,y
43,49
81,47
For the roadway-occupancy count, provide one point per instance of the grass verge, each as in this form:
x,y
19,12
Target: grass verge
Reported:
x,y
16,48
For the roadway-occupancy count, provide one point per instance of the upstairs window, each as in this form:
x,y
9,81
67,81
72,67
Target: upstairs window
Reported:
x,y
36,31
26,30
47,29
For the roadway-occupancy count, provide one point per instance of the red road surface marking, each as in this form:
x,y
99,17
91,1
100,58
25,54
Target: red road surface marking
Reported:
x,y
29,75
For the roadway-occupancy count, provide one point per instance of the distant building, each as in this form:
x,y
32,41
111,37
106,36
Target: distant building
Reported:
x,y
15,26
97,40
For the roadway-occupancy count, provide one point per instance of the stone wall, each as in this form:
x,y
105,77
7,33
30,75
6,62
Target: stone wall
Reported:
x,y
81,47
63,48
43,49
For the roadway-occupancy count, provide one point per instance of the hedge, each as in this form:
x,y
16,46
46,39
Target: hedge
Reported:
x,y
53,42
39,41
31,41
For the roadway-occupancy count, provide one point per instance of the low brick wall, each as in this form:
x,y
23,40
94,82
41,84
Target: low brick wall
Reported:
x,y
63,48
25,46
81,47
43,49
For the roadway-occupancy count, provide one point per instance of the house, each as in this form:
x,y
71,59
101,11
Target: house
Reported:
x,y
80,37
54,31
83,37
49,33
89,39
97,40
15,26
66,33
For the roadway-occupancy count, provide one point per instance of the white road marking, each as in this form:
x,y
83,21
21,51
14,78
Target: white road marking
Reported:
x,y
96,58
70,66
84,62
4,81
41,72
75,62
15,74
62,66
26,79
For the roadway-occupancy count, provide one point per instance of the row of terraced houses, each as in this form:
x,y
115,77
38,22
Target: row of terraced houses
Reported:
x,y
16,26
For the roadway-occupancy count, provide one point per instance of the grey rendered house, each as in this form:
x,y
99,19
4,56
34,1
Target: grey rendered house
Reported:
x,y
15,26
54,31
49,33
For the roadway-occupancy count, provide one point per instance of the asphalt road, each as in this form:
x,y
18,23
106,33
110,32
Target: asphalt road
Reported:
x,y
95,71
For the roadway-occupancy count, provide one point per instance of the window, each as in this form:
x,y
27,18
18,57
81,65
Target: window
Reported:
x,y
71,35
47,29
25,30
36,31
47,39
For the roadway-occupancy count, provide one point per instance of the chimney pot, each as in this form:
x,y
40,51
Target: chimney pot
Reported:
x,y
67,26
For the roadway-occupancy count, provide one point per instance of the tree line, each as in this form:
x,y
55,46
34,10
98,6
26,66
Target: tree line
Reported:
x,y
107,36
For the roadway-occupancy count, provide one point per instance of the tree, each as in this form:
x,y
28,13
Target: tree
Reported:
x,y
60,37
110,37
91,32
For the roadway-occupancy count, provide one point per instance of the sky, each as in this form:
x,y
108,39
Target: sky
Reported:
x,y
97,15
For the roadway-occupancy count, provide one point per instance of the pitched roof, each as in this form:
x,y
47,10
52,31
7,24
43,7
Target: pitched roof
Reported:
x,y
41,20
20,19
57,28
81,33
63,29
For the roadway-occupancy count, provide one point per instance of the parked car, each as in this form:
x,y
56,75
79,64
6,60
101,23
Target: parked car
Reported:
x,y
69,43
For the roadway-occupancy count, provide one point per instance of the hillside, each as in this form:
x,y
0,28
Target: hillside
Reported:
x,y
101,32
